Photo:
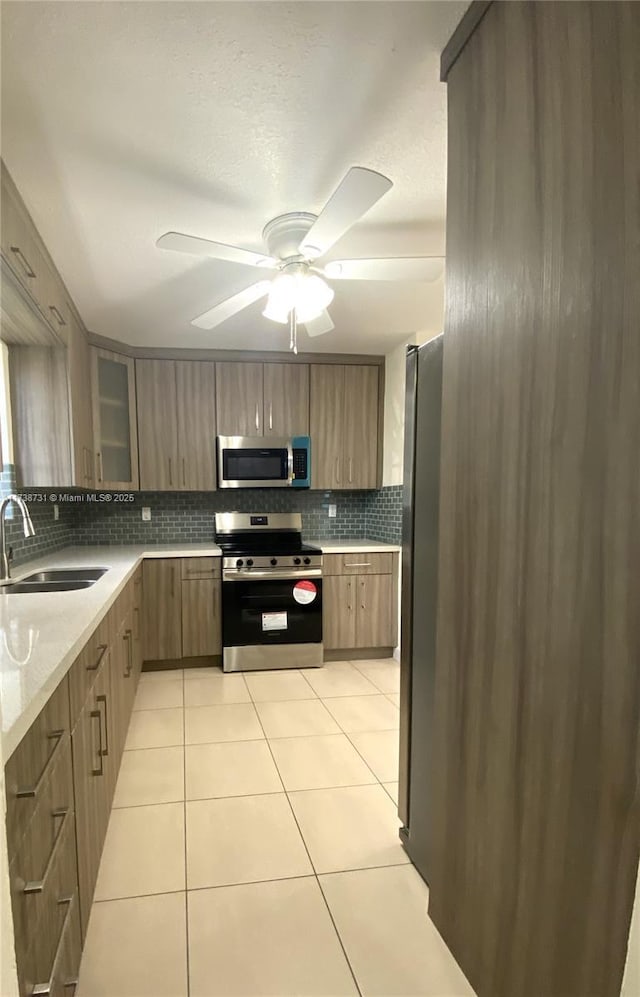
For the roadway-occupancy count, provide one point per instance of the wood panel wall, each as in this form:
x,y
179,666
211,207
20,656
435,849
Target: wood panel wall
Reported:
x,y
536,767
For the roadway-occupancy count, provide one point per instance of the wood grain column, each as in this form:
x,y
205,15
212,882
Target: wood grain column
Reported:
x,y
536,770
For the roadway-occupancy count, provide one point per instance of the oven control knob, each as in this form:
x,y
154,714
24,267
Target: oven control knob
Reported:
x,y
296,560
274,560
307,560
239,563
249,562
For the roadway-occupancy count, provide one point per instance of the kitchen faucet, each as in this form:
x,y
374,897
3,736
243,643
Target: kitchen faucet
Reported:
x,y
27,526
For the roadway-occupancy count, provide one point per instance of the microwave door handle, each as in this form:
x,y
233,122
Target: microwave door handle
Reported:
x,y
290,462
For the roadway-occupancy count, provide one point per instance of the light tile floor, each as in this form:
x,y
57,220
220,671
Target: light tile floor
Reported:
x,y
253,846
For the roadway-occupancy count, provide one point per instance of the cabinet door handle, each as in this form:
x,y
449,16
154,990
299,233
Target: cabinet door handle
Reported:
x,y
54,735
362,584
170,474
337,468
97,715
100,474
350,469
136,636
49,988
94,668
127,638
184,473
57,316
358,564
38,885
23,261
349,606
270,415
257,418
103,699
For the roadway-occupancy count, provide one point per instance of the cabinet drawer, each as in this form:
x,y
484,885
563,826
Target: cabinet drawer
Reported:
x,y
360,563
363,563
44,872
83,672
29,768
201,567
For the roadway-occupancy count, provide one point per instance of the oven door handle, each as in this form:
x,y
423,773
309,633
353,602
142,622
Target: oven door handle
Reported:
x,y
235,575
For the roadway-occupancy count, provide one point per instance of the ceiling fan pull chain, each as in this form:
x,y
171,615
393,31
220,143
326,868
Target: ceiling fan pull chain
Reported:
x,y
291,313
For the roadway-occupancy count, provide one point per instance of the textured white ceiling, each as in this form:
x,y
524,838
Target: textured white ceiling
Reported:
x,y
123,120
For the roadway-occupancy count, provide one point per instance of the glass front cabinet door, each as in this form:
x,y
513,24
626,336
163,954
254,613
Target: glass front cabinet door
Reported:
x,y
114,420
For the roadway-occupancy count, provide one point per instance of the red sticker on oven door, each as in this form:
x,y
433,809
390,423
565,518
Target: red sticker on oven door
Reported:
x,y
304,592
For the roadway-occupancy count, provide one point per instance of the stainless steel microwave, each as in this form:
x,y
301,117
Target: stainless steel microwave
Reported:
x,y
264,462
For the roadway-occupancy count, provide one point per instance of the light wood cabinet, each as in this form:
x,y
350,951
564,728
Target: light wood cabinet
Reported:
x,y
326,426
28,261
176,425
239,399
360,427
157,424
94,771
286,399
201,617
162,609
360,600
79,374
114,420
196,410
339,612
376,611
344,426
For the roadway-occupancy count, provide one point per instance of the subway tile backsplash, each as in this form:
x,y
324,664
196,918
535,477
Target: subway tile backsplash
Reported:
x,y
188,516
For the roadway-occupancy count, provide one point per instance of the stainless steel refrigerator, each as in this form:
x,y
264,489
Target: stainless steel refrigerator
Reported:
x,y
419,593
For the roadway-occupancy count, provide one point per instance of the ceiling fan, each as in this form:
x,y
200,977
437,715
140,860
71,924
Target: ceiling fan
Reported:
x,y
299,294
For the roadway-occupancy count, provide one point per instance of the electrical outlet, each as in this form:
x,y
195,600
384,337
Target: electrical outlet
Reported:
x,y
146,514
56,512
333,511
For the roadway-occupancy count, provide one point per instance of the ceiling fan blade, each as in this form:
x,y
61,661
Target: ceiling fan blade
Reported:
x,y
231,306
318,326
357,192
399,268
181,243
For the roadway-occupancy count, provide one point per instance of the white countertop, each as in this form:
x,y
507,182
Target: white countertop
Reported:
x,y
41,634
353,546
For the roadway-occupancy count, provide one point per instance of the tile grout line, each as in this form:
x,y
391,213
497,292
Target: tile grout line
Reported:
x,y
311,863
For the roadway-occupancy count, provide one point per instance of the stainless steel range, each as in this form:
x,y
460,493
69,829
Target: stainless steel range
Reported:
x,y
271,592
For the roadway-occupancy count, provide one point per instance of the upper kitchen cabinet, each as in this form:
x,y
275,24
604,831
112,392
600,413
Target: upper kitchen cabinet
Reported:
x,y
344,426
34,305
176,425
239,399
79,375
196,407
157,424
286,399
255,399
114,419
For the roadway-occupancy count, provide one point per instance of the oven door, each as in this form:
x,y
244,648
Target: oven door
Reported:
x,y
247,462
273,622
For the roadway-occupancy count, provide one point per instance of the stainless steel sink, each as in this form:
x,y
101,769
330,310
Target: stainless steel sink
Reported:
x,y
55,586
65,575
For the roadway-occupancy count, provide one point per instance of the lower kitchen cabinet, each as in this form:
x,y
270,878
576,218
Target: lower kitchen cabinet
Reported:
x,y
162,626
60,782
182,606
201,622
339,612
359,596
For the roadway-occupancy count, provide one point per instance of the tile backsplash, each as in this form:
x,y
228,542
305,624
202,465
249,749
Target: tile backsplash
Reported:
x,y
188,516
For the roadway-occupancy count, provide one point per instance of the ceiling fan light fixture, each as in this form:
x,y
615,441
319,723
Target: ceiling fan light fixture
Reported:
x,y
314,295
299,291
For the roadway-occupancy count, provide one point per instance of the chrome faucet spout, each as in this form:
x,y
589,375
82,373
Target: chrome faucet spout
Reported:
x,y
27,527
